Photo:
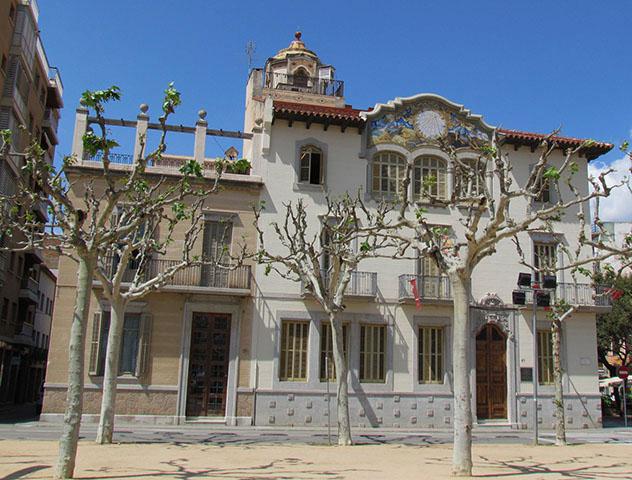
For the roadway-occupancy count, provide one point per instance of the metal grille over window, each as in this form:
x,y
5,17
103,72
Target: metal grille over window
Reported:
x,y
327,364
294,336
430,178
431,355
311,169
372,353
389,170
545,357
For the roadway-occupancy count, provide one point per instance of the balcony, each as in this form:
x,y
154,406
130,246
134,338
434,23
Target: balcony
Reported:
x,y
50,125
428,288
361,285
29,290
206,278
55,89
303,84
165,165
579,295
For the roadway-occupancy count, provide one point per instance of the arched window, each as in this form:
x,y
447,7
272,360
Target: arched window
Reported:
x,y
311,167
430,178
300,78
389,169
469,177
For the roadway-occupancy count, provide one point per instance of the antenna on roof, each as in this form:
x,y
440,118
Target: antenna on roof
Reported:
x,y
250,53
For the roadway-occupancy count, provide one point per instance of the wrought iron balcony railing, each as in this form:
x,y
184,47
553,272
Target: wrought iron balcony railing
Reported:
x,y
362,284
580,294
206,275
304,84
428,287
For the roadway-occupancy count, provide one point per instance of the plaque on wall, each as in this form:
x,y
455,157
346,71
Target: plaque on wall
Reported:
x,y
526,374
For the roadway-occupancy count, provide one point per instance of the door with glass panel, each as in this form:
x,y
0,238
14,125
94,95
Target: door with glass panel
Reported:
x,y
491,373
433,282
208,365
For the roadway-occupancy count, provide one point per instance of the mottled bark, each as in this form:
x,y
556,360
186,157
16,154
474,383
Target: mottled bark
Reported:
x,y
462,454
560,424
76,350
112,356
342,387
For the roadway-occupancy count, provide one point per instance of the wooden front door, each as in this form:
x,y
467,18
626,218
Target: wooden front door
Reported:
x,y
208,365
491,373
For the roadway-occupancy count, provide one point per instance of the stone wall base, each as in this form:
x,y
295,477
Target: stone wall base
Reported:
x,y
410,411
128,402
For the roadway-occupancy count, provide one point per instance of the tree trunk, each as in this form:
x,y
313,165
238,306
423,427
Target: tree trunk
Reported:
x,y
560,423
342,387
76,352
112,356
462,454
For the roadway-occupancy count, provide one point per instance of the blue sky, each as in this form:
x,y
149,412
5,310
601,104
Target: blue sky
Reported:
x,y
531,65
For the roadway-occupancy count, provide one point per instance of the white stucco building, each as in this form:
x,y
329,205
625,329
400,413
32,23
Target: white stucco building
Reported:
x,y
307,143
246,348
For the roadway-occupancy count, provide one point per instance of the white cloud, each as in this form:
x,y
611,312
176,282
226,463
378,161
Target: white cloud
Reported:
x,y
618,206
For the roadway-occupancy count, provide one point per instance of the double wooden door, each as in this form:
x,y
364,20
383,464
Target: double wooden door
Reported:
x,y
491,373
208,365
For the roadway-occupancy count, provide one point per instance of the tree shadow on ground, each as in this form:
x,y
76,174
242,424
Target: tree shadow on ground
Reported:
x,y
23,472
563,468
281,469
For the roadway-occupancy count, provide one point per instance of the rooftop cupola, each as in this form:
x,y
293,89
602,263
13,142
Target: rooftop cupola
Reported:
x,y
296,74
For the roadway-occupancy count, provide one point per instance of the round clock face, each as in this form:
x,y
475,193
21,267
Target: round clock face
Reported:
x,y
430,124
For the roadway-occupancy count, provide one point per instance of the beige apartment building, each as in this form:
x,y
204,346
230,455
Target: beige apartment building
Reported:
x,y
30,96
187,346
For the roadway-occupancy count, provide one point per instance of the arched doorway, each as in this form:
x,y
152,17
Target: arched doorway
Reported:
x,y
491,373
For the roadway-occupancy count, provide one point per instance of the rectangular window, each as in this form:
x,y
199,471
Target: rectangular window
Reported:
x,y
430,178
326,350
217,239
388,172
216,248
544,258
293,361
129,344
15,313
372,353
430,354
545,357
4,315
311,165
544,191
469,177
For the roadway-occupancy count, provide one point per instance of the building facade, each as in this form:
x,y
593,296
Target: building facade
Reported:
x,y
304,142
31,96
181,344
309,144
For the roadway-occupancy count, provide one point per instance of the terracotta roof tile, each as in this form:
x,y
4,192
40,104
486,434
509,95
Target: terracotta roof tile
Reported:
x,y
518,137
351,116
342,113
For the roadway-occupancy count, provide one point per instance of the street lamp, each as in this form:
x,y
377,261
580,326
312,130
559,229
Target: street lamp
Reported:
x,y
541,295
